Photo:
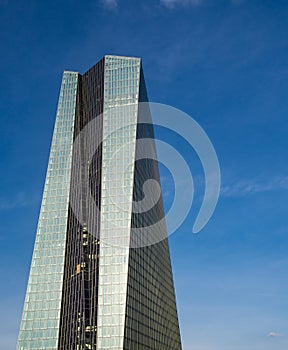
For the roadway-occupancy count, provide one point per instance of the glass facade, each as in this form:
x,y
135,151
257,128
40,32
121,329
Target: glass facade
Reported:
x,y
80,285
151,320
40,320
88,287
119,129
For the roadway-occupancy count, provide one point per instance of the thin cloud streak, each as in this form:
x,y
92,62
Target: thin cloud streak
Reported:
x,y
246,187
111,4
275,335
19,200
173,3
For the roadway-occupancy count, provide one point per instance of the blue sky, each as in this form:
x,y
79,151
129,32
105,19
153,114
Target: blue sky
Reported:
x,y
223,62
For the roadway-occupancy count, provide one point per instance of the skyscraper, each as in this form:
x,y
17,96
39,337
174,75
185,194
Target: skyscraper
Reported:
x,y
99,279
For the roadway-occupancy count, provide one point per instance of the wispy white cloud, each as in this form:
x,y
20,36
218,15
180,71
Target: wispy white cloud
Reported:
x,y
246,187
275,335
17,201
173,3
237,2
111,4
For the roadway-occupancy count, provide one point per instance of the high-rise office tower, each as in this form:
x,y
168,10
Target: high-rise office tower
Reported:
x,y
100,274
